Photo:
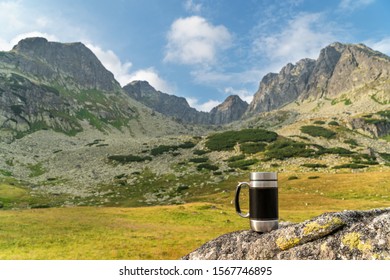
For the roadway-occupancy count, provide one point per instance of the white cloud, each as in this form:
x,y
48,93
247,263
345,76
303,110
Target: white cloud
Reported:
x,y
193,40
112,62
7,45
152,76
244,94
382,45
204,107
122,71
191,7
303,37
351,5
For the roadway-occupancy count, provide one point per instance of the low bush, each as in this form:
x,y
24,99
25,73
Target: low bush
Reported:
x,y
235,158
187,145
253,148
350,165
227,140
242,164
128,158
207,166
199,160
351,142
334,123
285,148
171,148
338,151
317,131
200,152
385,156
292,178
314,165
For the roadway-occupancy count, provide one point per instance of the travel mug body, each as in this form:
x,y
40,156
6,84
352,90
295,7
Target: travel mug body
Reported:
x,y
263,201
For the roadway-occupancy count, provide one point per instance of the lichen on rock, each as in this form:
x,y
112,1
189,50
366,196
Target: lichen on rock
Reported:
x,y
343,235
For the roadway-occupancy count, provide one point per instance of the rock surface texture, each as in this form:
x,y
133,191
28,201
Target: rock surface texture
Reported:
x,y
347,235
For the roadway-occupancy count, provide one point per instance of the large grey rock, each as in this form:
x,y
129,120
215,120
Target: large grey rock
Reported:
x,y
344,235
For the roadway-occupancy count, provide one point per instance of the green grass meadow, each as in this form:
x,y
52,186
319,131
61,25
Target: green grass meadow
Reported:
x,y
170,232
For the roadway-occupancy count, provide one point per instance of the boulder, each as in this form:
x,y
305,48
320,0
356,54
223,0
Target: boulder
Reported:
x,y
347,235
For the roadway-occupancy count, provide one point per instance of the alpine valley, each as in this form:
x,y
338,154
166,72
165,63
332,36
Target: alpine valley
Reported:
x,y
71,136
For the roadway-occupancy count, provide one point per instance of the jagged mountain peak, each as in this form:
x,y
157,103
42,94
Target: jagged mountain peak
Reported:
x,y
230,101
339,69
64,63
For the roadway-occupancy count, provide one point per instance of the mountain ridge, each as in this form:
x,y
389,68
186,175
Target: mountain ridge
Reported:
x,y
178,108
339,69
65,88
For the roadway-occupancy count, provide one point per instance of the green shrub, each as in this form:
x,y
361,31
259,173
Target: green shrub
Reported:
x,y
159,150
351,142
253,148
350,165
227,140
314,165
338,151
163,149
385,156
385,114
292,178
128,158
285,148
319,122
199,160
200,152
207,166
317,131
5,173
334,123
235,158
242,164
187,145
313,177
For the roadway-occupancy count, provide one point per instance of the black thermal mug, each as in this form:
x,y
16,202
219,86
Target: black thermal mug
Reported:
x,y
263,201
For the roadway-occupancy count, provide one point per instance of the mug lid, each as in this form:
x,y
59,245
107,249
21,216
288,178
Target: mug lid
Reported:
x,y
263,176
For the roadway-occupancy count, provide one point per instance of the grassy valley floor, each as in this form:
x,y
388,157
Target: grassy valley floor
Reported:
x,y
169,232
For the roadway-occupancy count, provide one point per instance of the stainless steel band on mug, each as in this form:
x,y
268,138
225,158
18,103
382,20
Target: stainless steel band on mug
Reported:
x,y
263,176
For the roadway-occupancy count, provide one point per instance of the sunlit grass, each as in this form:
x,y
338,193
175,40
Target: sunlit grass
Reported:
x,y
169,232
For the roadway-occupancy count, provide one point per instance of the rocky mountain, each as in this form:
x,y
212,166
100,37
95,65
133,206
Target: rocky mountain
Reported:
x,y
232,109
345,71
178,108
357,235
64,87
169,105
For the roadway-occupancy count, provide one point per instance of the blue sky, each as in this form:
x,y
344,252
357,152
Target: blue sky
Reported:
x,y
198,49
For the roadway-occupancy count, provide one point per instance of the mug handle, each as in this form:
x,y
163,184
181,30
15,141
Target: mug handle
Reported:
x,y
237,200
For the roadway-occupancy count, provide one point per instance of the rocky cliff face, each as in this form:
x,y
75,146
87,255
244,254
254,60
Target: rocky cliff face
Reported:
x,y
340,69
63,87
169,105
178,108
63,63
346,235
232,109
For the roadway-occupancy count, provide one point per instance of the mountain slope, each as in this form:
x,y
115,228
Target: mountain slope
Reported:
x,y
169,105
178,108
64,87
345,71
